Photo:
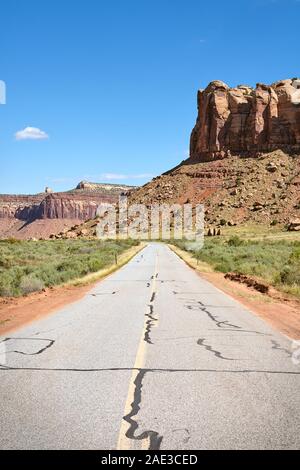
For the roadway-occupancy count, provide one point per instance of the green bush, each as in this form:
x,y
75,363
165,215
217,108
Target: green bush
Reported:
x,y
6,286
95,264
290,274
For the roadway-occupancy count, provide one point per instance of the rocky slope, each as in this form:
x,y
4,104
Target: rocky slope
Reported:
x,y
39,215
244,163
233,190
244,120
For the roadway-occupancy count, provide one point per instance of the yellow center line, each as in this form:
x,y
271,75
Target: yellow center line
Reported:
x,y
124,443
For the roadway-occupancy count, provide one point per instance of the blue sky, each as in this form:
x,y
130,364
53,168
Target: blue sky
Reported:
x,y
112,84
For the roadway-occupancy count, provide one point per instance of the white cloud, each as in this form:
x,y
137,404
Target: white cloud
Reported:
x,y
113,176
31,133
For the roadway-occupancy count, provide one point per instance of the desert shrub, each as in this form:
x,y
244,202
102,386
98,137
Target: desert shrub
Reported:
x,y
290,274
95,264
295,255
6,286
275,261
6,261
224,266
30,284
85,250
235,241
26,266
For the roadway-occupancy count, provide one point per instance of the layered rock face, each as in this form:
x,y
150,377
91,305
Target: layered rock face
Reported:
x,y
20,207
80,203
77,205
244,120
52,206
71,206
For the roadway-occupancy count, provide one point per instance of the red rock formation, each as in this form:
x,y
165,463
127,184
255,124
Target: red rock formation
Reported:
x,y
80,203
245,120
21,207
72,206
52,206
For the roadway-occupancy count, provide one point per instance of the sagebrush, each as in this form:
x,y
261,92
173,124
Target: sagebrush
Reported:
x,y
28,266
275,261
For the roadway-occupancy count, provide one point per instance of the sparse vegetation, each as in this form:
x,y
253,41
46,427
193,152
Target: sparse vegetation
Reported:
x,y
275,261
29,266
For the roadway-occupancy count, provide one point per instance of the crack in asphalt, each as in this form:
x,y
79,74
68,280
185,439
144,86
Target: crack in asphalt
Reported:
x,y
211,306
149,324
150,315
172,280
176,338
203,307
40,351
276,345
131,418
154,437
209,348
245,331
219,323
5,368
104,293
194,293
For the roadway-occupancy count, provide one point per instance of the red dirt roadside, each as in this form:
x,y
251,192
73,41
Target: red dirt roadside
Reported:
x,y
281,312
16,312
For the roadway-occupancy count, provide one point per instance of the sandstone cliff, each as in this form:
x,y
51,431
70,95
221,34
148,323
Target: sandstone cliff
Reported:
x,y
234,125
22,215
244,120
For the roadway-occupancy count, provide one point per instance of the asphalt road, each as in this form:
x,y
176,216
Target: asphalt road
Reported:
x,y
152,357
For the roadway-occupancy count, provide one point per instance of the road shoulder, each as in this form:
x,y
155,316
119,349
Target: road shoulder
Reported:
x,y
280,311
19,311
